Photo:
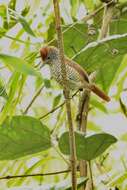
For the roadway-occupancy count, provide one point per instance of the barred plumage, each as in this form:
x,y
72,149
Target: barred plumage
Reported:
x,y
76,75
73,77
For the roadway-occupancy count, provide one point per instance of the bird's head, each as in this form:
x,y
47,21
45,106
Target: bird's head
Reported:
x,y
49,54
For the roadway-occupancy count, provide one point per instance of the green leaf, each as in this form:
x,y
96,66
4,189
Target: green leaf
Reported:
x,y
104,57
22,21
56,100
90,5
87,148
19,64
12,4
118,179
47,83
3,92
98,105
76,37
22,136
14,84
119,24
26,26
25,11
2,32
2,10
74,7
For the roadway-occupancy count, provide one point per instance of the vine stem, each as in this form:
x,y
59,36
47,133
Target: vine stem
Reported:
x,y
82,126
66,94
107,16
91,175
56,108
32,175
33,99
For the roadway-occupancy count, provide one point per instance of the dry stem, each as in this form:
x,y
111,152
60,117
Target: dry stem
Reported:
x,y
66,94
33,175
108,14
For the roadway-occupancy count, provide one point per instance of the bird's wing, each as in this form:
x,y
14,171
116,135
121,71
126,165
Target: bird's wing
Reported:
x,y
78,68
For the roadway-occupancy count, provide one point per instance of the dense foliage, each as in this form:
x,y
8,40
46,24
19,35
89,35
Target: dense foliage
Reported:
x,y
34,131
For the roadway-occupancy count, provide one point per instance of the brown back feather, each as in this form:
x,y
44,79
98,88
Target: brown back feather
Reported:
x,y
78,68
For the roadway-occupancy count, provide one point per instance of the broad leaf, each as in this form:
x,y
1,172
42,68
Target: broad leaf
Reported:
x,y
19,64
104,57
87,148
76,37
119,23
22,136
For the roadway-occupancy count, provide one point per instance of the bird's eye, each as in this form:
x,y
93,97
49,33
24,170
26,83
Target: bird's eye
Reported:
x,y
48,57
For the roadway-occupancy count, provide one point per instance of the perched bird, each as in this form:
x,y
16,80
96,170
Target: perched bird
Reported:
x,y
76,75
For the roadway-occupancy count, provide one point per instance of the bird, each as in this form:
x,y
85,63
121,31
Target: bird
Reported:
x,y
77,77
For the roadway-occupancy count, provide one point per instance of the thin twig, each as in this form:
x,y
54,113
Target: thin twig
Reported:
x,y
66,94
18,40
51,111
56,108
91,15
91,176
61,155
108,14
123,107
32,175
33,99
82,122
85,19
82,126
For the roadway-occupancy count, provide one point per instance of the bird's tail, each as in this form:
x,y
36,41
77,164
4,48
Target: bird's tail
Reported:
x,y
99,92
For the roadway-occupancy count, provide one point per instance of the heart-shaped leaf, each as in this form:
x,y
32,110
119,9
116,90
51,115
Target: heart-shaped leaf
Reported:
x,y
87,148
21,136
